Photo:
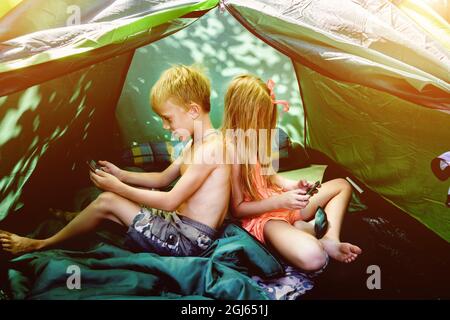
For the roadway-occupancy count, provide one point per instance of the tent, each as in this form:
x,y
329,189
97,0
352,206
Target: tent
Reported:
x,y
369,81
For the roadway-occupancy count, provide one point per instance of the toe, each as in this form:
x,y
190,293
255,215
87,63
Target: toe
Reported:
x,y
346,258
355,249
345,248
350,258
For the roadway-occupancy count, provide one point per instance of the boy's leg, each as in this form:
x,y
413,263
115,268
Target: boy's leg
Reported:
x,y
334,197
299,248
108,206
67,216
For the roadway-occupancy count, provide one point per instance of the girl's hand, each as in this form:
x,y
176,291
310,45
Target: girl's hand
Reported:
x,y
306,185
105,181
111,169
292,200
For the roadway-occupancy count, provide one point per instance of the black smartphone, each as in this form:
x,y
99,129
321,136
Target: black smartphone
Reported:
x,y
313,188
93,165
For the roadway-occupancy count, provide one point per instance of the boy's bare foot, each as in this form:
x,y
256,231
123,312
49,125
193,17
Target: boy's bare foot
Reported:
x,y
17,245
65,215
340,251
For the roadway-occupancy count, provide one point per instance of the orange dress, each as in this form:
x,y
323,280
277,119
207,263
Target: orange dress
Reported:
x,y
255,225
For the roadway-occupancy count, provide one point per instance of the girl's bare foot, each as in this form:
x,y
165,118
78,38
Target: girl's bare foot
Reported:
x,y
17,245
341,251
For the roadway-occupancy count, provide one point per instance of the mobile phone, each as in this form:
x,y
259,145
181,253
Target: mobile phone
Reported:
x,y
320,223
93,165
313,188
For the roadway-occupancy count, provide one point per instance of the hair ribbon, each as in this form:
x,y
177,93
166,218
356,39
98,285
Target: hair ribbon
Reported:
x,y
271,86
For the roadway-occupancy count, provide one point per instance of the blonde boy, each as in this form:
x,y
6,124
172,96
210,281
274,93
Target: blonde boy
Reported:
x,y
180,222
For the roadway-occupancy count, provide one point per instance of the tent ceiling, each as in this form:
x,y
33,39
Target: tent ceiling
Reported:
x,y
366,42
105,29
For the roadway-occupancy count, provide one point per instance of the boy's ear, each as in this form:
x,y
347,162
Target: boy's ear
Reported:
x,y
194,110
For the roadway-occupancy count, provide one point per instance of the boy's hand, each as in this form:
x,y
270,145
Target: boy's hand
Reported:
x,y
306,185
294,199
105,181
111,169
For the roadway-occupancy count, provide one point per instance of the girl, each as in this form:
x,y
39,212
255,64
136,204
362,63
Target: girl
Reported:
x,y
273,209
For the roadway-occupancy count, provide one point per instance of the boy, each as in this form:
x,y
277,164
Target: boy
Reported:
x,y
181,222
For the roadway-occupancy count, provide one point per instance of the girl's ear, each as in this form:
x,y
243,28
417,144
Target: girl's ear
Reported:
x,y
194,110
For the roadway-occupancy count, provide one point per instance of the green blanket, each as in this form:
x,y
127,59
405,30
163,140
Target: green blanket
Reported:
x,y
110,272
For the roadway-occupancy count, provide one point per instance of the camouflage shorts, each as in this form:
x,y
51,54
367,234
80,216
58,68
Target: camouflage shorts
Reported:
x,y
168,234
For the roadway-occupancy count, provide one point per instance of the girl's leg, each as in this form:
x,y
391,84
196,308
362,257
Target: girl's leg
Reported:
x,y
334,197
299,248
304,226
108,206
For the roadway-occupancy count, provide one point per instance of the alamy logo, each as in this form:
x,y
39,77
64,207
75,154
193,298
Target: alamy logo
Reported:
x,y
374,280
74,280
74,18
239,146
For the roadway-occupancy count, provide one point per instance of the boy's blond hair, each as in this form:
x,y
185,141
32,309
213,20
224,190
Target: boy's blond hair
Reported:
x,y
185,84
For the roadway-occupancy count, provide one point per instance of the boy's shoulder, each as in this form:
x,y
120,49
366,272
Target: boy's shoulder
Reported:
x,y
208,151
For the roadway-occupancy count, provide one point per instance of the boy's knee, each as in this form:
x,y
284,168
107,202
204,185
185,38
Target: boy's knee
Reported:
x,y
105,200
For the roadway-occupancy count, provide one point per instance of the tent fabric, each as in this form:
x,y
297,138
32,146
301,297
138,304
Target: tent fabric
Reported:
x,y
7,5
367,42
386,142
48,131
63,46
436,25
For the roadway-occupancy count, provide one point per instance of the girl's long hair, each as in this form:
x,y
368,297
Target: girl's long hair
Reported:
x,y
248,105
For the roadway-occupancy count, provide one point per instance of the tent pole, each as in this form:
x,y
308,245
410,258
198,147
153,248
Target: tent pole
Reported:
x,y
303,106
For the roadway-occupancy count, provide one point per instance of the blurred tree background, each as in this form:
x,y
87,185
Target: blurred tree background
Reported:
x,y
224,48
